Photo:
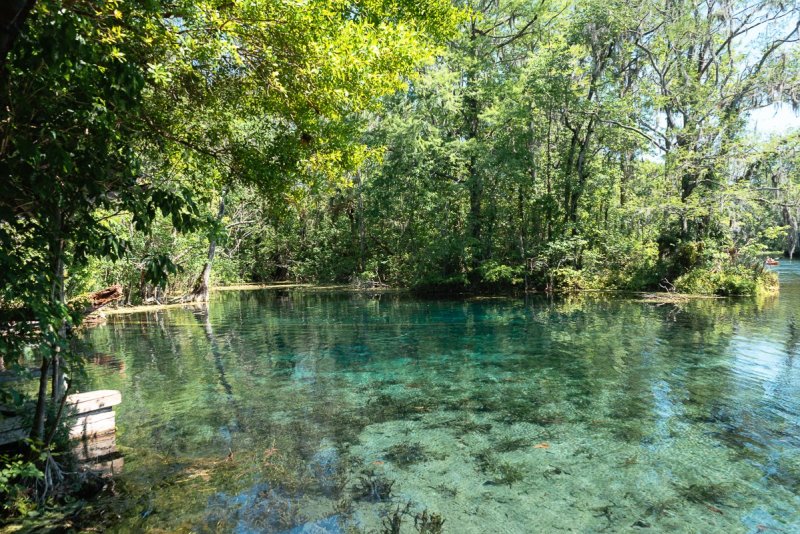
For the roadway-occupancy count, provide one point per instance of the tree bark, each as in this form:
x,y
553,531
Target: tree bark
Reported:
x,y
58,296
474,178
200,292
37,429
790,220
54,359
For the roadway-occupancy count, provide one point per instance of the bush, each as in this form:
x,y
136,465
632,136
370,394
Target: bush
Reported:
x,y
727,281
501,275
15,489
566,279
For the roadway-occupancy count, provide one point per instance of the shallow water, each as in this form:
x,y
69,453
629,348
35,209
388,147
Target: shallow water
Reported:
x,y
295,411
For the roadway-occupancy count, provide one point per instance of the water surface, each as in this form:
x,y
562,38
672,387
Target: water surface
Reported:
x,y
276,411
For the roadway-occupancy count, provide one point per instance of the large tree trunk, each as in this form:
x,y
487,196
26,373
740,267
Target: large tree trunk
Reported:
x,y
474,178
790,220
51,356
200,292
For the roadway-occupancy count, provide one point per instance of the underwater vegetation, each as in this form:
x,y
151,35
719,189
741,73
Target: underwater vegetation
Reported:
x,y
392,523
424,522
466,425
428,523
509,444
405,454
372,487
661,509
507,474
384,407
629,432
504,473
330,471
704,493
260,508
344,508
519,410
288,472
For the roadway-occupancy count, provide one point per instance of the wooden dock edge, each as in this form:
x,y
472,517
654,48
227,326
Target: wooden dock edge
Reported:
x,y
91,417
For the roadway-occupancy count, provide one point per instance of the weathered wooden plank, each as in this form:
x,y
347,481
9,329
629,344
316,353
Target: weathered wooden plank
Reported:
x,y
93,424
108,467
96,447
92,415
12,430
94,400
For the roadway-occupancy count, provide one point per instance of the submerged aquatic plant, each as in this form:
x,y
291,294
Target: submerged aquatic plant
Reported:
x,y
392,523
424,522
384,407
428,523
344,509
505,473
405,454
260,508
485,460
704,493
662,508
466,425
444,489
330,471
373,487
509,444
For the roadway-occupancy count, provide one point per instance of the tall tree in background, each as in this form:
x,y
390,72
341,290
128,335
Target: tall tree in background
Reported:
x,y
709,63
276,99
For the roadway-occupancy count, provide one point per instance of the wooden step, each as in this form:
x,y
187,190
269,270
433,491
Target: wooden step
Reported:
x,y
88,414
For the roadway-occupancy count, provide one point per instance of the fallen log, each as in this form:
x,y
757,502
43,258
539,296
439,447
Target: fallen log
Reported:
x,y
101,298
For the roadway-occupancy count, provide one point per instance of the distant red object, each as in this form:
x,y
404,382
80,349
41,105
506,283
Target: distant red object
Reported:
x,y
770,261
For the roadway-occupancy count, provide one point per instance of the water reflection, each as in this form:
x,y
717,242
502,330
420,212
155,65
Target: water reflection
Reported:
x,y
269,410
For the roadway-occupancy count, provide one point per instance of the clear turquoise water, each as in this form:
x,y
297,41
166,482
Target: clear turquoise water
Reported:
x,y
589,414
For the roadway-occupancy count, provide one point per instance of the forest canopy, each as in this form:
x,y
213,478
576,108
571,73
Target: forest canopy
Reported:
x,y
480,146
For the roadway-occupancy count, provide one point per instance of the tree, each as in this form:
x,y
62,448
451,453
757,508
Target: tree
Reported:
x,y
277,100
708,64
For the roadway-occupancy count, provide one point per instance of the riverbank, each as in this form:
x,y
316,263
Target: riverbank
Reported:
x,y
235,287
660,297
700,283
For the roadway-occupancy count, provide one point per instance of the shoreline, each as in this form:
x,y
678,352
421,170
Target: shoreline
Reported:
x,y
241,287
659,297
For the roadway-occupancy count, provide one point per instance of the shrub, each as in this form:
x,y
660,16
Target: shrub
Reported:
x,y
566,279
15,489
502,275
727,281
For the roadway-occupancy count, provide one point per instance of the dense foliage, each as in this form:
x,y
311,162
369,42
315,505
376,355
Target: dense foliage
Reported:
x,y
551,145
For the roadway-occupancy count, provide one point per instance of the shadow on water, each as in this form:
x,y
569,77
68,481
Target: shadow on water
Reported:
x,y
203,317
